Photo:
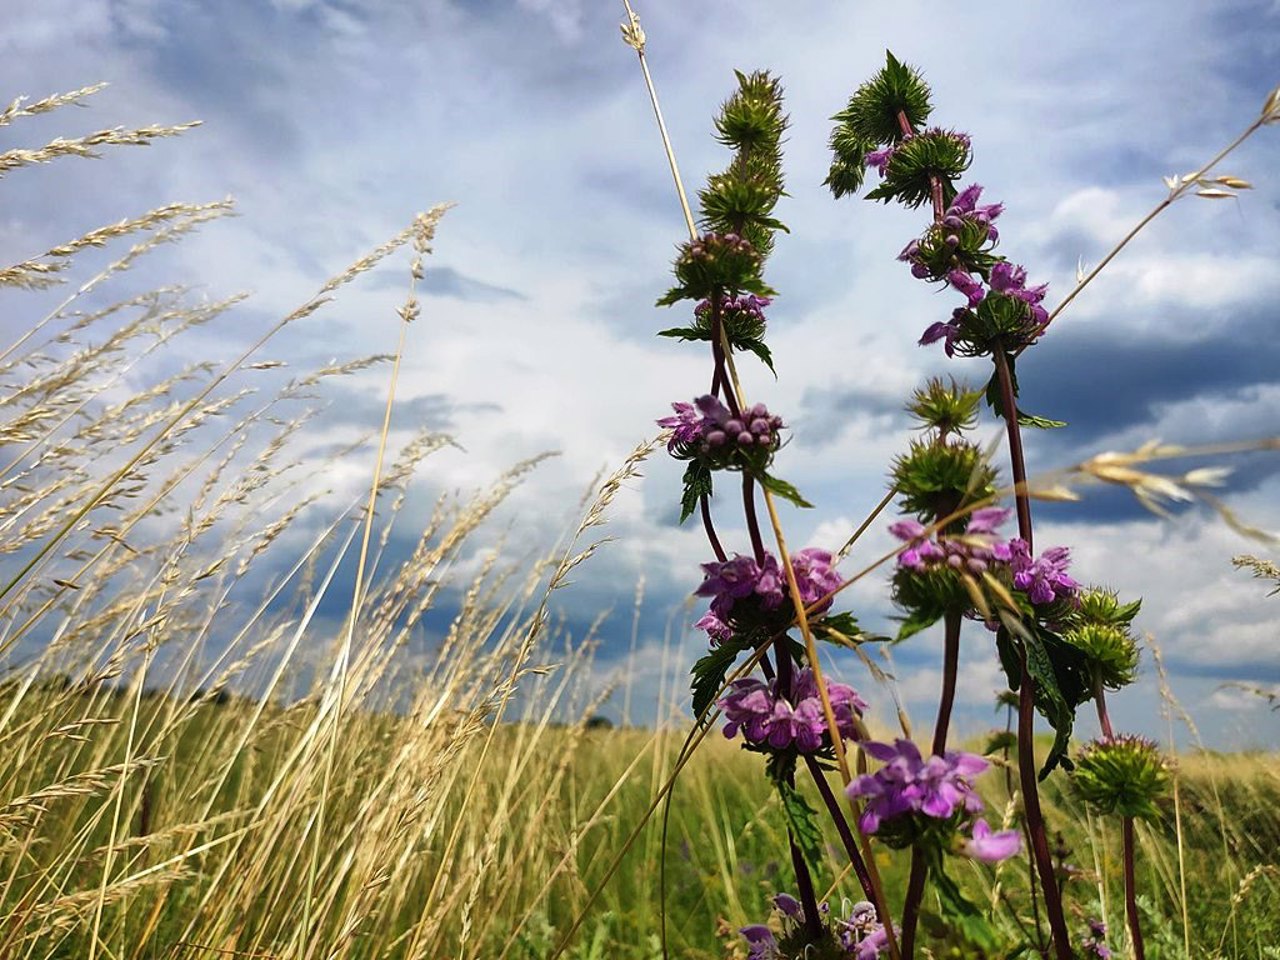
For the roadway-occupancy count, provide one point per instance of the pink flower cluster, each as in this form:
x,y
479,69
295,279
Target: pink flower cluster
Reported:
x,y
860,936
1043,579
768,719
706,427
733,584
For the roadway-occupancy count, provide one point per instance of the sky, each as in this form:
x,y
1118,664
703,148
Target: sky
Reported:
x,y
333,121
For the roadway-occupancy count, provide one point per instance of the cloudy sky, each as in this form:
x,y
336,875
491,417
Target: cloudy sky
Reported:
x,y
333,121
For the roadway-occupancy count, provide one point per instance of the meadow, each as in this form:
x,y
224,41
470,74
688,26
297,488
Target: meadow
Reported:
x,y
198,760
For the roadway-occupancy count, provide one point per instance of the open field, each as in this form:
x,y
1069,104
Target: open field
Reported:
x,y
449,840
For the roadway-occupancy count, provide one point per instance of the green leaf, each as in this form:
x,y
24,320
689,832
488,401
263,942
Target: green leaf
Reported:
x,y
760,350
709,673
697,484
915,621
1040,423
1128,611
780,488
803,821
963,916
844,623
685,333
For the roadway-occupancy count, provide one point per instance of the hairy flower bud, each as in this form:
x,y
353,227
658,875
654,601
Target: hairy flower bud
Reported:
x,y
1111,651
1126,775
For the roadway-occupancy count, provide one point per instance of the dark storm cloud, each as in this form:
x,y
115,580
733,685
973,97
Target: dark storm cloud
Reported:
x,y
1104,387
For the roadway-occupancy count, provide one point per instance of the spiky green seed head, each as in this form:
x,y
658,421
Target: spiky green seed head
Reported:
x,y
715,265
945,407
941,155
1102,606
934,478
1125,775
1111,651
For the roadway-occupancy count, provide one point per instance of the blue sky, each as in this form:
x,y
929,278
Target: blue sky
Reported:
x,y
333,121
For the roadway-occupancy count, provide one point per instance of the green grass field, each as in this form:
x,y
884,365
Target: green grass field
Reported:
x,y
443,839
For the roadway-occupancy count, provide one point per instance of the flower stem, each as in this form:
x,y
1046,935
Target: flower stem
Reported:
x,y
1130,890
1100,698
705,503
753,524
846,834
1034,816
1027,684
1017,462
920,866
950,669
808,898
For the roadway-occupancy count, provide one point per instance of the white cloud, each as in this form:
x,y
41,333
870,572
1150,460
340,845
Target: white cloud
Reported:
x,y
334,131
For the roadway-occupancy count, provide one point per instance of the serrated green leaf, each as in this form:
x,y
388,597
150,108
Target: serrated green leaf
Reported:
x,y
697,484
1040,423
685,333
844,622
916,621
780,488
1126,612
760,350
882,192
709,672
673,296
803,821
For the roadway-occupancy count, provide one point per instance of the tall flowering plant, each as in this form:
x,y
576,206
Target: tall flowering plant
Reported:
x,y
1061,644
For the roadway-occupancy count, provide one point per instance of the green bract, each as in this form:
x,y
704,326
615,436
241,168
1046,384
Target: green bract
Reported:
x,y
714,265
1126,775
1102,606
874,116
928,595
1000,321
969,253
1111,651
935,478
917,161
742,198
945,407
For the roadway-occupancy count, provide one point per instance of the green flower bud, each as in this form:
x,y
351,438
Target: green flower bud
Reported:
x,y
1111,652
908,178
1126,775
947,408
934,478
934,591
1102,606
872,117
716,265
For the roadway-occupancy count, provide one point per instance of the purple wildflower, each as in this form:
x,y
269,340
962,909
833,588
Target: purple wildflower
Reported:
x,y
976,550
1011,280
788,905
967,284
1093,944
742,306
761,943
907,783
879,158
937,331
1044,579
686,426
739,579
815,577
766,718
862,936
717,630
990,847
